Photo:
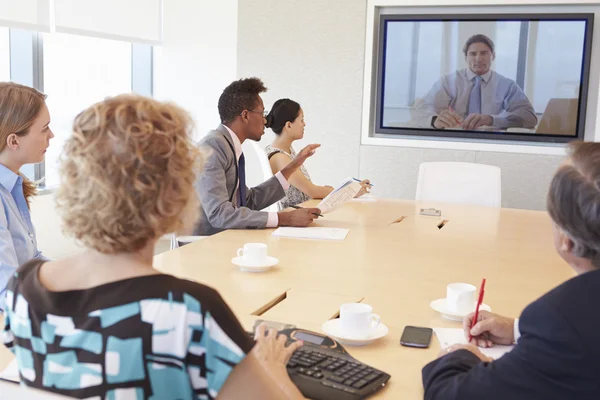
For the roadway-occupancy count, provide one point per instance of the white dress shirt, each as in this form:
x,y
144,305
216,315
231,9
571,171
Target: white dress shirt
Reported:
x,y
273,219
501,98
18,243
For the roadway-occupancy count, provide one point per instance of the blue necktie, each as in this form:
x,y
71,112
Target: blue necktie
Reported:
x,y
475,97
242,176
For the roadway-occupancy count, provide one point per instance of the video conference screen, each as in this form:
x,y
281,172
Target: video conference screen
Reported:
x,y
519,78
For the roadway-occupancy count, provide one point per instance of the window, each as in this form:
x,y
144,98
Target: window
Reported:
x,y
77,72
508,35
4,55
74,72
546,79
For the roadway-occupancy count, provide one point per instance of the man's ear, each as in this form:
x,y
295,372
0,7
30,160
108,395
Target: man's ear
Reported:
x,y
12,141
566,244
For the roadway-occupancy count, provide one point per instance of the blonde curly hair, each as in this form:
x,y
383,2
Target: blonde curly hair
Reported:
x,y
127,174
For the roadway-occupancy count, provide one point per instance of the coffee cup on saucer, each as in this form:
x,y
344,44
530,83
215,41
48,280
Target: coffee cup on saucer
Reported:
x,y
460,300
356,326
253,253
253,258
358,320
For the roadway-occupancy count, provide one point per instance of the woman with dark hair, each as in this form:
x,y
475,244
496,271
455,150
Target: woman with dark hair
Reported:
x,y
286,119
557,352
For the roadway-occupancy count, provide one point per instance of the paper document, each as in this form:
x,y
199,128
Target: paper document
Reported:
x,y
312,233
11,372
346,191
450,336
366,198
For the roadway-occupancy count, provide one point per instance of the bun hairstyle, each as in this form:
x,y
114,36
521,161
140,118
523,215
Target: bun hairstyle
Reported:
x,y
282,112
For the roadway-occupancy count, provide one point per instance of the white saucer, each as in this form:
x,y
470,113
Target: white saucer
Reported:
x,y
333,328
439,305
269,262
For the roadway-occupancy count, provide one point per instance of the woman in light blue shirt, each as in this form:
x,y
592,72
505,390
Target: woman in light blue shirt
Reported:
x,y
24,138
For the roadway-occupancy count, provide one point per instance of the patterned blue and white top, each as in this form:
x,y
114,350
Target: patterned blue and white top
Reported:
x,y
150,337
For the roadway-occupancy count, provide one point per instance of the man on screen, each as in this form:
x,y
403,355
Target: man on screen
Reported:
x,y
476,96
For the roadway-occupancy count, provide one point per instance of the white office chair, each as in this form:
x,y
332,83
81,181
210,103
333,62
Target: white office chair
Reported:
x,y
459,182
258,169
178,241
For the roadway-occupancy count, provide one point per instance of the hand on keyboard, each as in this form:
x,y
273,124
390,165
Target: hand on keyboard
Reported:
x,y
270,349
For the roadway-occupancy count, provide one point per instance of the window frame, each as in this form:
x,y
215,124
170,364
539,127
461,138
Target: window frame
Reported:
x,y
27,68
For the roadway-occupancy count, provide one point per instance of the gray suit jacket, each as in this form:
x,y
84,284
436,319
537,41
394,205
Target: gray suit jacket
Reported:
x,y
216,187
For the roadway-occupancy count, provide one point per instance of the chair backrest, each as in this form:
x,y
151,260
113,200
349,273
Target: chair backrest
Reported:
x,y
459,182
178,241
258,168
559,118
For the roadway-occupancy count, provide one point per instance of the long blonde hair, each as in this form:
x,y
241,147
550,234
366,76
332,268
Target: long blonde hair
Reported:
x,y
19,106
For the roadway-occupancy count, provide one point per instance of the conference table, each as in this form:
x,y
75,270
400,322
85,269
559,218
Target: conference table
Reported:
x,y
393,259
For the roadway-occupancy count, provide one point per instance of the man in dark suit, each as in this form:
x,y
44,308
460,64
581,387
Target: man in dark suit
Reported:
x,y
226,201
557,355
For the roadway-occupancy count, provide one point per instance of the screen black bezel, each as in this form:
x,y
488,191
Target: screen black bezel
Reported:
x,y
486,135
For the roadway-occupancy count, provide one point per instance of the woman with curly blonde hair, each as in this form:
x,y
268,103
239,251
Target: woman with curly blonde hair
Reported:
x,y
24,137
104,323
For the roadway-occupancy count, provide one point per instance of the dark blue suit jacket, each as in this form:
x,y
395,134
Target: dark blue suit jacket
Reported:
x,y
557,356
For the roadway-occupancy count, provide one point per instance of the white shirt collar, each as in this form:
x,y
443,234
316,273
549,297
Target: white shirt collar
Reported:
x,y
486,77
237,145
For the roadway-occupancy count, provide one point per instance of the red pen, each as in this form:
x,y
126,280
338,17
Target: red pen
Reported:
x,y
479,301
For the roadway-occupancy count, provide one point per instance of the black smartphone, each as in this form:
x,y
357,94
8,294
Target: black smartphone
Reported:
x,y
415,336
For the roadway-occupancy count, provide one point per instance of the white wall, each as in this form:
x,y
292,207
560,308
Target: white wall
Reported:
x,y
198,57
51,241
300,51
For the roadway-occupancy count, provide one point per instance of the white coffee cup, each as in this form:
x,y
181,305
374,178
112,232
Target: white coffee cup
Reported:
x,y
253,253
460,298
358,320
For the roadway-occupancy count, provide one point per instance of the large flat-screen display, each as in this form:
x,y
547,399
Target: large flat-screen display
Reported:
x,y
502,76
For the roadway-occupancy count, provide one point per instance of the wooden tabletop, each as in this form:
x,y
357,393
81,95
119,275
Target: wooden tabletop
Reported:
x,y
397,267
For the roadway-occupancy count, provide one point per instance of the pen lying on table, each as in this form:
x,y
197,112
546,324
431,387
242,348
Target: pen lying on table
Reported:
x,y
300,208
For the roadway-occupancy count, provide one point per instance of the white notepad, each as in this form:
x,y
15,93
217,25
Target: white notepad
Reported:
x,y
317,233
450,336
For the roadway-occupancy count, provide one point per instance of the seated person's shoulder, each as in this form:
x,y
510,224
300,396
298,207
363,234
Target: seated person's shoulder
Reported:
x,y
279,156
214,145
451,78
212,139
566,309
579,291
279,159
204,294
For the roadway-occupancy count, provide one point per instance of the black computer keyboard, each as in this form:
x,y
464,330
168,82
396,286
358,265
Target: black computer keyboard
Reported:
x,y
324,374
